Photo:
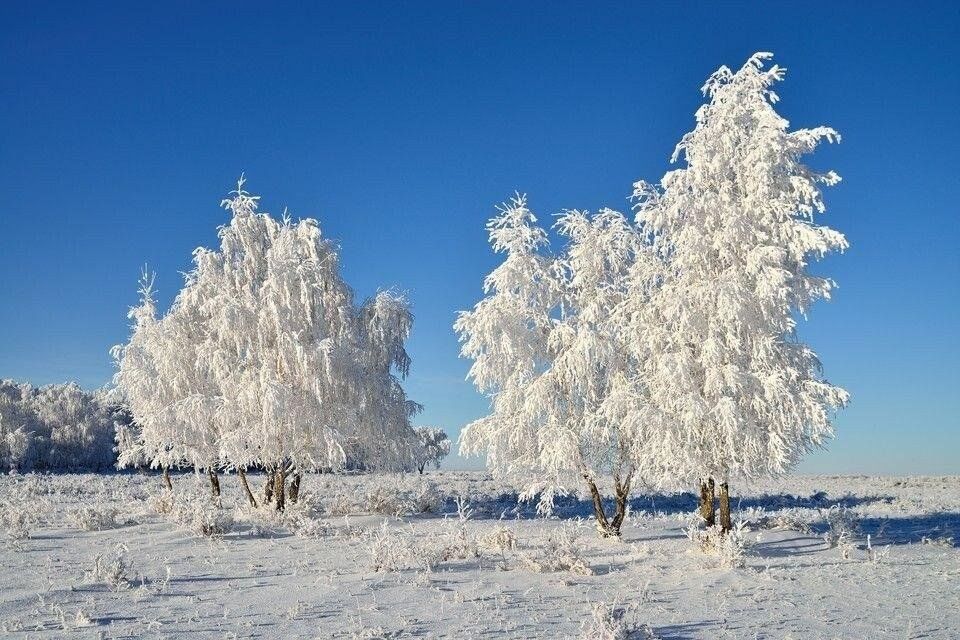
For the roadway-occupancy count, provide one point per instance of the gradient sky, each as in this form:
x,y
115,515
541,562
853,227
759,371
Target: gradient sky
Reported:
x,y
399,126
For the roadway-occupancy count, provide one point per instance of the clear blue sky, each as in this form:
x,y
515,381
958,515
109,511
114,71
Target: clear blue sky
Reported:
x,y
400,125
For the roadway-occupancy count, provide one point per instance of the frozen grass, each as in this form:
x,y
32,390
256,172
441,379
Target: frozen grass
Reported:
x,y
457,555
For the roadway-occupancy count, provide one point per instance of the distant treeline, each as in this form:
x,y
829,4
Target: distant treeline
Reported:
x,y
58,427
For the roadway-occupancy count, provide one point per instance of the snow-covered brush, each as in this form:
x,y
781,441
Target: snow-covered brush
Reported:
x,y
561,552
843,527
615,622
728,548
96,517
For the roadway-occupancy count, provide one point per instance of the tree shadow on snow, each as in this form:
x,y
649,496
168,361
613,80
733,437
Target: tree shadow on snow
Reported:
x,y
937,528
508,505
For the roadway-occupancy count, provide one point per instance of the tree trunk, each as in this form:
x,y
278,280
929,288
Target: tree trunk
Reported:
x,y
610,527
214,482
246,487
725,523
706,502
279,489
621,490
603,525
268,488
294,492
166,478
421,466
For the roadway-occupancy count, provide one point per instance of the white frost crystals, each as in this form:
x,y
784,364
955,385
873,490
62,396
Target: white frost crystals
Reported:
x,y
264,360
664,350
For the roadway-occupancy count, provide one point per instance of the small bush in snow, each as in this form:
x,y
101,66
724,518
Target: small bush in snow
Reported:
x,y
95,518
501,539
610,622
728,548
17,518
561,552
842,527
392,551
397,496
162,503
113,572
203,518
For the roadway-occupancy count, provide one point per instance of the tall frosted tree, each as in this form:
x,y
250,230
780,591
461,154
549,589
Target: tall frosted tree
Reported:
x,y
730,387
547,352
263,358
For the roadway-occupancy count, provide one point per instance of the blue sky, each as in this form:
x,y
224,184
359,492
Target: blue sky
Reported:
x,y
399,126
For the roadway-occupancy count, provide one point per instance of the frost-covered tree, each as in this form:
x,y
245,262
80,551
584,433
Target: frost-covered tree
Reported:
x,y
547,352
727,384
433,446
55,427
264,360
506,335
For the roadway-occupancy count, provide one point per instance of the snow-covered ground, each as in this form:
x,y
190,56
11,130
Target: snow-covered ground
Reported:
x,y
112,556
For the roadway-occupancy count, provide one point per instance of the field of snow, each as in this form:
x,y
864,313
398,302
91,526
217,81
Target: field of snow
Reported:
x,y
453,554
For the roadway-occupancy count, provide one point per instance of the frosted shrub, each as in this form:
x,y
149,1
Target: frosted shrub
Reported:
x,y
162,503
396,496
203,518
459,544
17,518
561,552
302,518
95,518
842,527
610,622
727,548
113,572
385,499
392,551
874,555
501,539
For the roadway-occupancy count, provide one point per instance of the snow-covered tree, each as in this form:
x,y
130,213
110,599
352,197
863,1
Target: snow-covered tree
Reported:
x,y
434,446
264,360
727,384
547,352
506,335
55,427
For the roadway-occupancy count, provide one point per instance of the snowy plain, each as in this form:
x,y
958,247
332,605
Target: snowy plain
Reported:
x,y
453,554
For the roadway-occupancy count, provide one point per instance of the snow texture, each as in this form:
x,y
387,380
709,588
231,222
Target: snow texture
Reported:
x,y
116,556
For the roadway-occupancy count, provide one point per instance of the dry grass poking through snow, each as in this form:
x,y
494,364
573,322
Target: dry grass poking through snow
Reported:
x,y
455,555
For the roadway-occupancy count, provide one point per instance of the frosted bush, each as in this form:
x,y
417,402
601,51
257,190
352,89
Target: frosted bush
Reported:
x,y
392,551
458,544
610,622
875,555
729,549
501,539
17,518
162,503
113,572
303,519
842,527
95,518
203,518
562,551
397,496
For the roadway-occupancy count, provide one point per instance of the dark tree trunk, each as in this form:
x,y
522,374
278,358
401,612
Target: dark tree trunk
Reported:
x,y
294,491
421,466
246,488
610,527
621,490
166,478
706,502
214,482
268,488
725,523
279,489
